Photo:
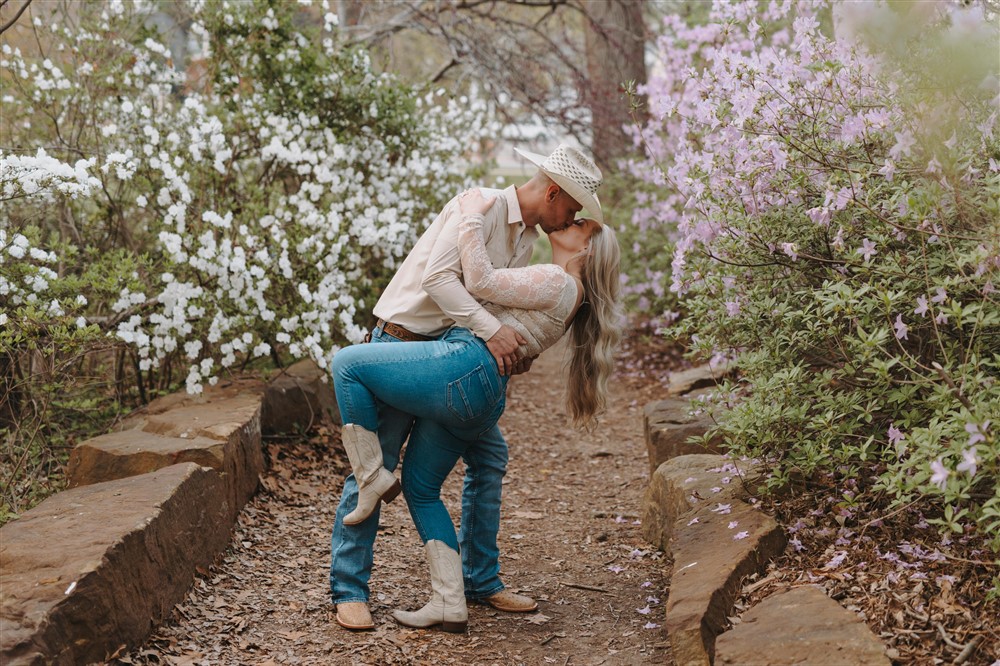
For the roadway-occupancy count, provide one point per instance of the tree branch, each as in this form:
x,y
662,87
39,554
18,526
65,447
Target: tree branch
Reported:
x,y
10,23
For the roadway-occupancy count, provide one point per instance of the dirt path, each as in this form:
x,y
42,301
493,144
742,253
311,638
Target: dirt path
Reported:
x,y
569,537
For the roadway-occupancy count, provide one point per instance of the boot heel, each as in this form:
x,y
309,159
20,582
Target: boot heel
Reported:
x,y
392,493
454,627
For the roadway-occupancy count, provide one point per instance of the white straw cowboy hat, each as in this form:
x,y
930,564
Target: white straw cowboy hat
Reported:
x,y
574,172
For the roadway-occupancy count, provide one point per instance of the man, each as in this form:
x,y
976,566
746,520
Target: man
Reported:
x,y
423,300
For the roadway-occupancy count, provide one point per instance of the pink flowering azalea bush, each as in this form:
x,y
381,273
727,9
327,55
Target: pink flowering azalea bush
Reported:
x,y
834,222
188,218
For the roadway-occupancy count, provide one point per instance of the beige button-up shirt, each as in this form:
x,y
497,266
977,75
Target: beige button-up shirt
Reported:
x,y
427,295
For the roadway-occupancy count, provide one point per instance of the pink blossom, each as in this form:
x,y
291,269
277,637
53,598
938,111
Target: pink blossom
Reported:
x,y
901,328
820,216
867,249
969,461
739,536
977,432
843,198
940,476
733,307
733,524
723,509
791,249
888,170
836,560
693,521
904,144
921,306
941,318
643,611
895,435
838,239
650,625
940,296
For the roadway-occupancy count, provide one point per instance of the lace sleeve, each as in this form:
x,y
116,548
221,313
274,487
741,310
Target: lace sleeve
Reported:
x,y
531,288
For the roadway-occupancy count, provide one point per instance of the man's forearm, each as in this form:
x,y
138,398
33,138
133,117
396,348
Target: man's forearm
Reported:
x,y
450,295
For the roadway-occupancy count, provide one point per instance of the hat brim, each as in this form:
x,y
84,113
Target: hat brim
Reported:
x,y
589,201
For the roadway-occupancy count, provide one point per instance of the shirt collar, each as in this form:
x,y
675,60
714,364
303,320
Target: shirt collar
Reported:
x,y
513,206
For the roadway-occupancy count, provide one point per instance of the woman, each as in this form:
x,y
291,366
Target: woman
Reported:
x,y
579,290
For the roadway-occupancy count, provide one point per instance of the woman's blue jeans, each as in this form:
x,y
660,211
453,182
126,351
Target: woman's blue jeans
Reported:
x,y
452,387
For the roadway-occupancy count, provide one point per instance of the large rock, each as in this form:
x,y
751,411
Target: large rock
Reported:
x,y
669,424
297,398
684,483
294,399
96,567
132,452
235,422
703,376
800,626
709,564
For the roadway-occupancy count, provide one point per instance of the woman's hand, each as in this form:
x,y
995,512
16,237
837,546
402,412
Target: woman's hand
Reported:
x,y
472,202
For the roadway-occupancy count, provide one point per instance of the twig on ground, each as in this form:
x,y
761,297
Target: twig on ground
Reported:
x,y
584,587
967,651
618,616
947,638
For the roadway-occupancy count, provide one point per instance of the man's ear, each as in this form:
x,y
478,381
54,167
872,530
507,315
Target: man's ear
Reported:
x,y
551,192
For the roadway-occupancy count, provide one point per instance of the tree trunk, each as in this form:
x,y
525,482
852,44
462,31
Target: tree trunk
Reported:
x,y
615,51
349,12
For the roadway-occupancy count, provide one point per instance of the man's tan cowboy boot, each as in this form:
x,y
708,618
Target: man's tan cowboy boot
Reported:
x,y
447,605
375,482
509,602
354,615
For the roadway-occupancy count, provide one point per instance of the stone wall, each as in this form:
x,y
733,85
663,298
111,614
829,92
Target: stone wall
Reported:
x,y
94,568
698,509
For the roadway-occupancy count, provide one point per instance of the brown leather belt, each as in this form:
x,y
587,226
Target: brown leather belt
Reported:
x,y
397,331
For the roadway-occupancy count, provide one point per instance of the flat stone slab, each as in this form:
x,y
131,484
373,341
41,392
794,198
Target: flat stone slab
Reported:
x,y
797,627
668,425
703,376
297,398
236,423
711,557
294,399
96,567
132,452
684,483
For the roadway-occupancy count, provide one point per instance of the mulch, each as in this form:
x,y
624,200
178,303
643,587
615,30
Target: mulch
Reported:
x,y
570,538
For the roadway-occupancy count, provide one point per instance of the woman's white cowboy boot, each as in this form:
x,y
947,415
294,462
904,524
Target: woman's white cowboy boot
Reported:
x,y
447,605
375,482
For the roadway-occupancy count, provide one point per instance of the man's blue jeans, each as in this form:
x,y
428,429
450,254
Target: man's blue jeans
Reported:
x,y
465,425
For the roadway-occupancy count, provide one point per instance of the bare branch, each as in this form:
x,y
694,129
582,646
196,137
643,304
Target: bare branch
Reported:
x,y
10,23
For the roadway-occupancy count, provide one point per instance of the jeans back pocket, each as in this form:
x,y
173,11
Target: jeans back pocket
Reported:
x,y
472,396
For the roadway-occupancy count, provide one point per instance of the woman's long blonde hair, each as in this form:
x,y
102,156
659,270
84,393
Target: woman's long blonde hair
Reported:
x,y
596,329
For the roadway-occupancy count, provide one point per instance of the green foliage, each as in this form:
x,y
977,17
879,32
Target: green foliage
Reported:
x,y
247,205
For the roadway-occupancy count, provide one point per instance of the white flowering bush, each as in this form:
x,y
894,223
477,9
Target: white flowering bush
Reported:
x,y
832,204
250,205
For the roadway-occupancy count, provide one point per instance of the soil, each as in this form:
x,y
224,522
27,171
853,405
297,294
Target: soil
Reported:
x,y
570,538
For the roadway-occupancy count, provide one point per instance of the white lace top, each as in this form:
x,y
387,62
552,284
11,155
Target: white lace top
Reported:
x,y
535,300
